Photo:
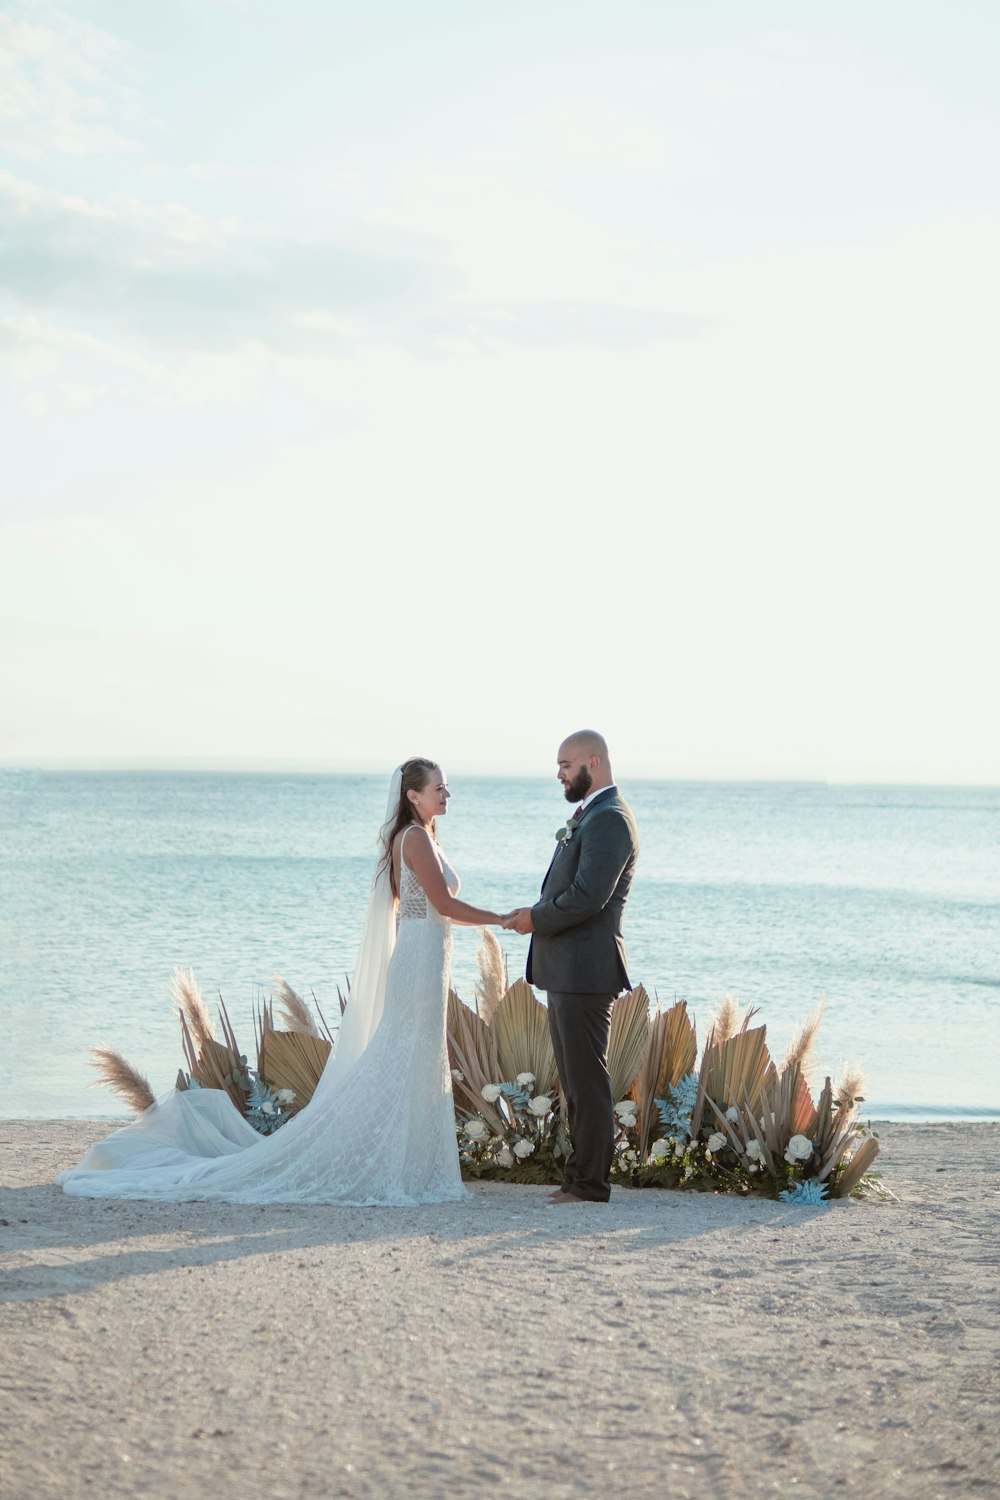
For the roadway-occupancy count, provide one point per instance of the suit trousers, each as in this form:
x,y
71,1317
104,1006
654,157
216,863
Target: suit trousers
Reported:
x,y
580,1026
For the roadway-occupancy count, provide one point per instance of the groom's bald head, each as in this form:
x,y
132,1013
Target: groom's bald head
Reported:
x,y
584,765
587,743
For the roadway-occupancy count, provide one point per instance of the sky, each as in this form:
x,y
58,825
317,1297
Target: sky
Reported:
x,y
400,377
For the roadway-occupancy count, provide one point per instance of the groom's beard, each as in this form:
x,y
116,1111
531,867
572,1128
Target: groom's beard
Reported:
x,y
579,786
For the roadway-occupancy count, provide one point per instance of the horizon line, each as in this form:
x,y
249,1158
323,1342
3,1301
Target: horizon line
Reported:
x,y
279,767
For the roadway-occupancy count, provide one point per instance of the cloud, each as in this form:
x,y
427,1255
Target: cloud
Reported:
x,y
66,85
164,277
174,278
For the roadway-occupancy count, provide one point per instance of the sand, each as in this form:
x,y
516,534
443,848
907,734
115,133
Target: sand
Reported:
x,y
665,1344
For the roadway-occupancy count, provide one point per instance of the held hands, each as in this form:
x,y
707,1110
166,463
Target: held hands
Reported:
x,y
518,920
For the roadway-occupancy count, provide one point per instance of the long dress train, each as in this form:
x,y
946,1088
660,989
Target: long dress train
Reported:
x,y
381,1132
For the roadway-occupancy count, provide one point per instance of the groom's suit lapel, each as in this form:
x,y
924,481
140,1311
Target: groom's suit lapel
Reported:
x,y
602,794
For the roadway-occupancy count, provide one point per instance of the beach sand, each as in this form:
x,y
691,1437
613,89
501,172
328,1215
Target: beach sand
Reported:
x,y
667,1344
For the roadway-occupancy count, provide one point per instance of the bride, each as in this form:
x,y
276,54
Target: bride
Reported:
x,y
380,1127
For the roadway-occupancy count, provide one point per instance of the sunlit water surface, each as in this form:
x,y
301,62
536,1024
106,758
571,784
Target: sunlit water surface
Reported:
x,y
885,901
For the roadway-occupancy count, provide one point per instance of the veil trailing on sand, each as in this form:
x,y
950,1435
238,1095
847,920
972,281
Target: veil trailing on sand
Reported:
x,y
194,1143
378,938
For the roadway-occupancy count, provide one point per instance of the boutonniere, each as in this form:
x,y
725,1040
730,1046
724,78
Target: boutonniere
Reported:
x,y
566,832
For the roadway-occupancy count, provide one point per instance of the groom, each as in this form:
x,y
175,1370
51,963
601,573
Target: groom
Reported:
x,y
577,953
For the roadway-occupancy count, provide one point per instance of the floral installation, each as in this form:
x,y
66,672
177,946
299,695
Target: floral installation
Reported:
x,y
288,1064
738,1122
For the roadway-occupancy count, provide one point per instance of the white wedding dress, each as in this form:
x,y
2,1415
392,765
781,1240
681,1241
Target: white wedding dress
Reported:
x,y
380,1128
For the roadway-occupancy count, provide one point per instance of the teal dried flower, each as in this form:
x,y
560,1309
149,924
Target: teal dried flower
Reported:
x,y
675,1110
264,1109
810,1194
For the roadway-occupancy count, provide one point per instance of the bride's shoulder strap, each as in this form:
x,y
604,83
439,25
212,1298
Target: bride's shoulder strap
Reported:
x,y
402,838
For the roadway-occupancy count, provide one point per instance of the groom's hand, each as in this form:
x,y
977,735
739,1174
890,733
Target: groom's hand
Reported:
x,y
519,921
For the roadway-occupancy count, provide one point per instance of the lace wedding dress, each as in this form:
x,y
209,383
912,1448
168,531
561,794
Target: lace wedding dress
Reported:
x,y
380,1129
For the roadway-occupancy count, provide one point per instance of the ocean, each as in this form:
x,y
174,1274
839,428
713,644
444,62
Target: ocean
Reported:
x,y
883,901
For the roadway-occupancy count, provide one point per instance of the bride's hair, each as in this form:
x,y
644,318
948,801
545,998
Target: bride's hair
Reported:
x,y
415,775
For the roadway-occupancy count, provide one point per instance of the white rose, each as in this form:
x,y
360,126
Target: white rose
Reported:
x,y
754,1167
523,1148
679,1149
476,1130
732,1114
491,1092
267,1109
800,1147
753,1150
285,1096
540,1105
525,1078
630,1159
504,1157
716,1141
659,1150
458,1075
625,1107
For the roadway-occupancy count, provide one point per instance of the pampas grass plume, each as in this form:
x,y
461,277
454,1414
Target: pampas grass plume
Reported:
x,y
802,1047
118,1074
294,1011
187,997
492,984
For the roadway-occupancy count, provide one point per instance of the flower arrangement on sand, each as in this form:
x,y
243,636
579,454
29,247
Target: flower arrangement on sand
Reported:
x,y
737,1122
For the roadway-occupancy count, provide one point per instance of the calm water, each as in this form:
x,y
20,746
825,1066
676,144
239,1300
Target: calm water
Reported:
x,y
884,900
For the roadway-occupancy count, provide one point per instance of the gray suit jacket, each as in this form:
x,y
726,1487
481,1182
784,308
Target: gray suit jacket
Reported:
x,y
578,947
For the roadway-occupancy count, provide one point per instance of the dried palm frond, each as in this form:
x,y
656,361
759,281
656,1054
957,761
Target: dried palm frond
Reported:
x,y
293,1060
294,1010
119,1075
263,1020
855,1167
341,997
801,1048
732,1071
848,1093
670,1056
521,1027
227,1030
472,1053
492,985
191,1007
628,1042
214,1066
324,1028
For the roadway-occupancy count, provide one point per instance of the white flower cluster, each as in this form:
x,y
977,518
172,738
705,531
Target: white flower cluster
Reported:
x,y
519,1143
625,1112
800,1149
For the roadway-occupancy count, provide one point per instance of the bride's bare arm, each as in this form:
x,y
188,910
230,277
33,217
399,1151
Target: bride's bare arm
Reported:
x,y
423,861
